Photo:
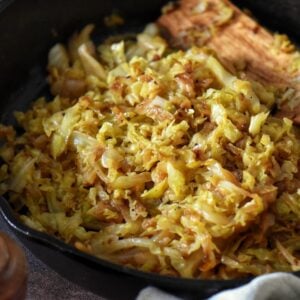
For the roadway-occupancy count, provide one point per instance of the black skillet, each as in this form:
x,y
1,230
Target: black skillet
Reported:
x,y
27,29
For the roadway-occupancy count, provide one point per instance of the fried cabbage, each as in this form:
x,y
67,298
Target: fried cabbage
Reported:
x,y
157,159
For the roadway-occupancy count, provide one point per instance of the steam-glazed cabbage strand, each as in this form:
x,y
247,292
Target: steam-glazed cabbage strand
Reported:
x,y
157,159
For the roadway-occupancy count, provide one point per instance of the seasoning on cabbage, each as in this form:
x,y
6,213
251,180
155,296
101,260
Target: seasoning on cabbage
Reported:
x,y
157,159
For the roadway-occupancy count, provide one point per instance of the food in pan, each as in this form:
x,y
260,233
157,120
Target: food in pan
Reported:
x,y
243,46
164,160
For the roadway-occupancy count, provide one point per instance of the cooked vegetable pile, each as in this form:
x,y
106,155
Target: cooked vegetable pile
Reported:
x,y
157,159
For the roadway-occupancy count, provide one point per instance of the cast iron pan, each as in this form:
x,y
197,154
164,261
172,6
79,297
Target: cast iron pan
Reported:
x,y
27,31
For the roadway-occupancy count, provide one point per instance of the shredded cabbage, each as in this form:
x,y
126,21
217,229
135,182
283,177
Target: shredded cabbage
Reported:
x,y
157,159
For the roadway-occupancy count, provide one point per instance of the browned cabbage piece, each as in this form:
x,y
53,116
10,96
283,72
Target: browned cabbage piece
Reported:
x,y
70,68
240,43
